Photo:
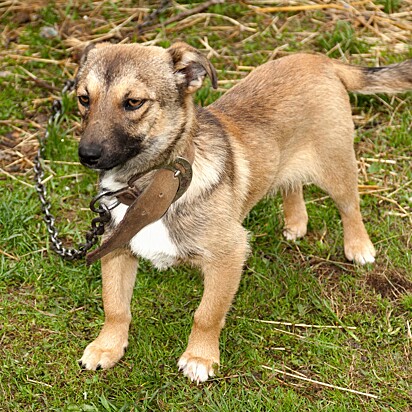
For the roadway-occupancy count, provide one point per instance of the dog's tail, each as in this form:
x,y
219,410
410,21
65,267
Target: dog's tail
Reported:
x,y
396,78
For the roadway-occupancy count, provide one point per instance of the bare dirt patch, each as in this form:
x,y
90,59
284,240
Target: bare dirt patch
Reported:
x,y
389,283
349,292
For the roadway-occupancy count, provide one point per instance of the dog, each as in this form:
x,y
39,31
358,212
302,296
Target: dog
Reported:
x,y
288,123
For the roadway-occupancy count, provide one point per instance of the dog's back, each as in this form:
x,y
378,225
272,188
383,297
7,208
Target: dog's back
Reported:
x,y
292,83
298,107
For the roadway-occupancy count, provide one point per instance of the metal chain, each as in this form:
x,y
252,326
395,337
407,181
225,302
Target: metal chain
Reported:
x,y
98,223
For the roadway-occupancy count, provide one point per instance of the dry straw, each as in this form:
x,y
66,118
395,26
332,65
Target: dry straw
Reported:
x,y
299,376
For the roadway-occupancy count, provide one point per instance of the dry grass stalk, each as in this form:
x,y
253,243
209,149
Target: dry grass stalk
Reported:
x,y
183,15
8,255
299,325
310,7
12,176
316,382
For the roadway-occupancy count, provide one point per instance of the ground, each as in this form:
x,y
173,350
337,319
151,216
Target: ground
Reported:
x,y
308,331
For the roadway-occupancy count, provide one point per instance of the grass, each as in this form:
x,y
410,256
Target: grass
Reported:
x,y
51,309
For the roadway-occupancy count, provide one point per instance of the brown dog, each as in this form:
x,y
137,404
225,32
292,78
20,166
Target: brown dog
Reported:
x,y
287,124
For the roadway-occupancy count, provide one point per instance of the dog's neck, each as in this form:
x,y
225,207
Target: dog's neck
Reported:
x,y
184,147
188,155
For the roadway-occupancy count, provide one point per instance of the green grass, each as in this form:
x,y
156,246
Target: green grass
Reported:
x,y
51,309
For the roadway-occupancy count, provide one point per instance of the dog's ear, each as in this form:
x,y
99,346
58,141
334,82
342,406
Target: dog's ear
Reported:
x,y
191,66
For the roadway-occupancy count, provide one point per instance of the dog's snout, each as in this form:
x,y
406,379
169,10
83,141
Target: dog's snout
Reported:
x,y
90,154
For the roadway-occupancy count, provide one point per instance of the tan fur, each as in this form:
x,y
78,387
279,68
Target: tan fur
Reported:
x,y
118,276
287,124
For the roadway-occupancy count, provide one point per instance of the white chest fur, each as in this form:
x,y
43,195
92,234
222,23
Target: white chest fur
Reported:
x,y
153,242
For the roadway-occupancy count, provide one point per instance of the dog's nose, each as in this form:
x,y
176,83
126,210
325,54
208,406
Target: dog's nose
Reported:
x,y
90,154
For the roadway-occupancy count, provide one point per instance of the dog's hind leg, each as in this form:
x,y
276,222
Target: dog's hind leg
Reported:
x,y
294,209
118,277
340,180
222,273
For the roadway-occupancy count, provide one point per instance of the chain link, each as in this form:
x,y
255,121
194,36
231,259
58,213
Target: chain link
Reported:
x,y
97,224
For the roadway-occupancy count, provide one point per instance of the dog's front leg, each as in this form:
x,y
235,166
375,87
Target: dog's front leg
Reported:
x,y
221,281
118,277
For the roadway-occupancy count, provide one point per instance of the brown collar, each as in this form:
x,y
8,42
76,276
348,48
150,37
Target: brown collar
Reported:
x,y
169,183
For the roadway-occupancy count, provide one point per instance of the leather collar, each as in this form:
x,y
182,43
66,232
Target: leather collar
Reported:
x,y
169,183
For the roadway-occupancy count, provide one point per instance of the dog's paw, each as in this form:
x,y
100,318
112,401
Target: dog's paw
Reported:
x,y
97,357
293,232
197,369
360,252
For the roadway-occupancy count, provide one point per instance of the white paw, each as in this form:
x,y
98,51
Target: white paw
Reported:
x,y
97,357
294,232
197,369
361,253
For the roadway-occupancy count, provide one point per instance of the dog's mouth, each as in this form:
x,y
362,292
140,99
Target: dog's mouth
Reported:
x,y
91,164
97,164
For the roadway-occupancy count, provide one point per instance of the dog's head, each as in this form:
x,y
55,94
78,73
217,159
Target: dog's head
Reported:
x,y
136,101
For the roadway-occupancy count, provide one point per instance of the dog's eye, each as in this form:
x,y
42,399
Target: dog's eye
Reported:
x,y
84,100
134,104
